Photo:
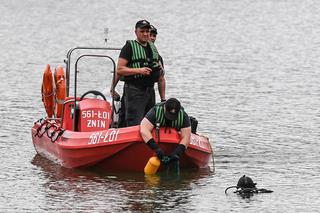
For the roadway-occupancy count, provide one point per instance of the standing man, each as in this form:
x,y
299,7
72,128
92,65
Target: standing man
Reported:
x,y
167,114
138,66
162,80
153,34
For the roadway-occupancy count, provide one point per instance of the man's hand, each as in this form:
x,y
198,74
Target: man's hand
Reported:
x,y
176,154
145,71
173,158
169,159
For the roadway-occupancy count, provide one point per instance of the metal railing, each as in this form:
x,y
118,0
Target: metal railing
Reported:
x,y
68,66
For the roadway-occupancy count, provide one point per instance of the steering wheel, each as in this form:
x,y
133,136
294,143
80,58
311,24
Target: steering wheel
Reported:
x,y
95,93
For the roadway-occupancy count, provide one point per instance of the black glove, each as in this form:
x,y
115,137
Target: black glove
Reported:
x,y
152,144
176,154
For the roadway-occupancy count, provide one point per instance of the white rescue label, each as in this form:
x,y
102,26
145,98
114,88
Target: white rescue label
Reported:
x,y
95,118
197,142
100,137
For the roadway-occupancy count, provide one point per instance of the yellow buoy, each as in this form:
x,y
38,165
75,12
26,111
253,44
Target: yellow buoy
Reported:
x,y
152,166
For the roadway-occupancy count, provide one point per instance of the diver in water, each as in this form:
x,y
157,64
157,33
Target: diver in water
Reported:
x,y
246,187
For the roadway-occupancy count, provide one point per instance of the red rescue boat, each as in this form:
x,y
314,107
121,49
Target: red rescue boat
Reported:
x,y
86,135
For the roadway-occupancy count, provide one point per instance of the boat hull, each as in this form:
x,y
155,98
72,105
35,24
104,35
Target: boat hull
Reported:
x,y
119,149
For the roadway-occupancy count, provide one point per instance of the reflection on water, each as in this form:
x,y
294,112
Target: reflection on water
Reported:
x,y
119,191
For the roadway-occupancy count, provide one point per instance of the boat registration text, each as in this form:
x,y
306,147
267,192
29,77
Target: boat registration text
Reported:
x,y
95,118
103,137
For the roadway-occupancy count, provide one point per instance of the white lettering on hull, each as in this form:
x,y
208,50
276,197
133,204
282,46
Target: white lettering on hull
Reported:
x,y
197,142
100,137
95,114
96,123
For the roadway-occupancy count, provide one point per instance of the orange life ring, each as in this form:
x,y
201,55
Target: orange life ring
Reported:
x,y
47,91
60,82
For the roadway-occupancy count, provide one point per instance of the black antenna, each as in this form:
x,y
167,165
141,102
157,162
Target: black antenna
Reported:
x,y
106,32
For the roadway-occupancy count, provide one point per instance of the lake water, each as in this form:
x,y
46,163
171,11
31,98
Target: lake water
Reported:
x,y
248,70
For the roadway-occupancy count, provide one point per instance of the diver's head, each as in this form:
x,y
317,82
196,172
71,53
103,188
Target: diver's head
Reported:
x,y
246,182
